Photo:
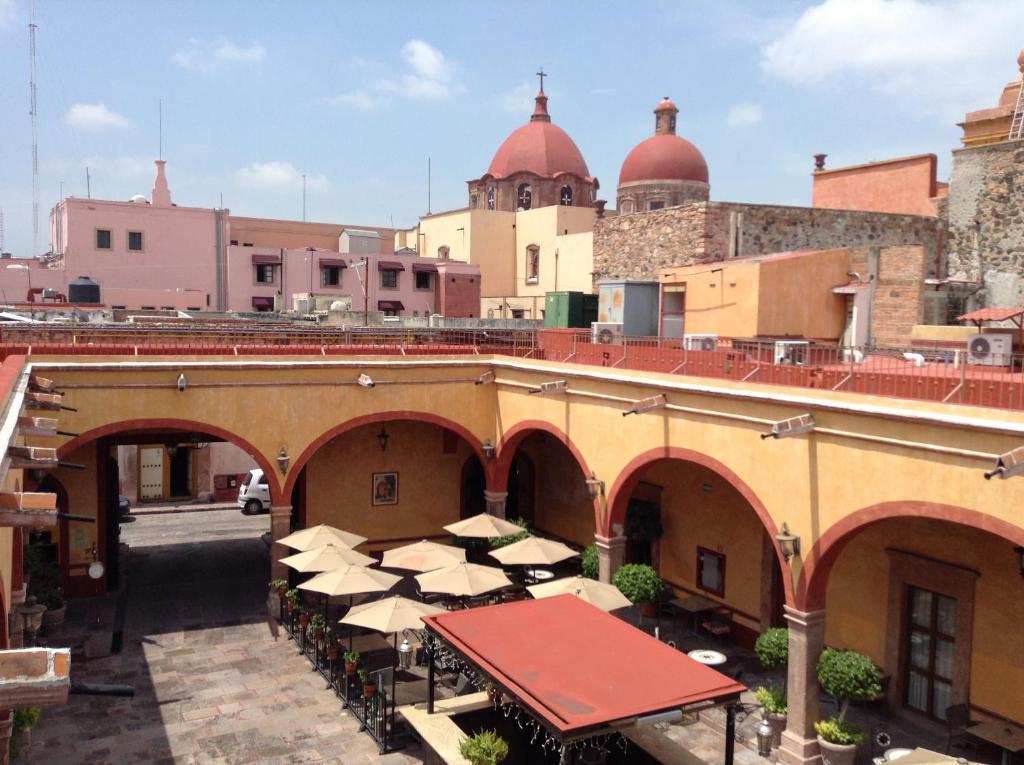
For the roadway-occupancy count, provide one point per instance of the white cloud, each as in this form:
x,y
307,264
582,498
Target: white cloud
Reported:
x,y
277,175
429,76
94,117
741,115
517,100
210,56
933,54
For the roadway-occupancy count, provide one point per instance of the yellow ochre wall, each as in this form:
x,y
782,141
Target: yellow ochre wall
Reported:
x,y
722,303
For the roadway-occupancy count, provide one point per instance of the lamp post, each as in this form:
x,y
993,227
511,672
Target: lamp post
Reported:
x,y
32,615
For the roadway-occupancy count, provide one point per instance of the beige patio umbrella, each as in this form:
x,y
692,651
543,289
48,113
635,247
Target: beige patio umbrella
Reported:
x,y
326,558
463,579
484,526
391,615
605,596
423,556
351,580
321,534
533,551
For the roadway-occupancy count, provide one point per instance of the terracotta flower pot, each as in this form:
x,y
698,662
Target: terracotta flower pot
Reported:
x,y
332,653
351,667
837,754
369,689
649,610
318,635
777,722
303,620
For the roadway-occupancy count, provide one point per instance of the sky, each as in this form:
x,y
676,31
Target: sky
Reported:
x,y
358,95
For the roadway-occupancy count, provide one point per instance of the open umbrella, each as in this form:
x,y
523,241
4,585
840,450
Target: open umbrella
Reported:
x,y
391,615
315,536
533,551
485,526
423,556
326,558
605,596
351,580
463,579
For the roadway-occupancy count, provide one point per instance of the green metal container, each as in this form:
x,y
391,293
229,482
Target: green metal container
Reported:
x,y
569,309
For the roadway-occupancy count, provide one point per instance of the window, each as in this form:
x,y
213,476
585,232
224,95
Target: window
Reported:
x,y
518,313
490,197
389,280
330,276
135,241
565,196
103,239
264,273
929,646
711,571
443,252
422,280
234,242
532,264
524,196
652,205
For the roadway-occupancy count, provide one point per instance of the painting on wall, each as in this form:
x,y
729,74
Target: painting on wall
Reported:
x,y
385,488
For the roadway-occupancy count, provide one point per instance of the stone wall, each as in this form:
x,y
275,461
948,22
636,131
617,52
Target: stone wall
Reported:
x,y
986,221
898,301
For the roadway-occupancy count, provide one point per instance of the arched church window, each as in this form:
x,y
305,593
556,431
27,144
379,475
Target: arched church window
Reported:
x,y
524,196
565,196
490,197
442,252
532,264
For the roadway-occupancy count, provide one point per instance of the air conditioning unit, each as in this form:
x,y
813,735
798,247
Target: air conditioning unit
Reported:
x,y
302,304
700,342
993,349
606,332
791,352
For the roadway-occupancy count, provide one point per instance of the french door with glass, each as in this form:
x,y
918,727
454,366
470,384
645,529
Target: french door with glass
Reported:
x,y
930,642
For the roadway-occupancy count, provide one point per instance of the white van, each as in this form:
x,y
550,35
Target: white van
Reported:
x,y
254,493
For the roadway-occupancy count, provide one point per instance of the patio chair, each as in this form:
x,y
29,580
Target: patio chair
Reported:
x,y
475,601
718,623
958,719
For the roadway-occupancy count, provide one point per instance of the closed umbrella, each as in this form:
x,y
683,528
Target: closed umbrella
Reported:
x,y
483,526
463,579
423,556
326,558
315,536
605,596
351,580
533,551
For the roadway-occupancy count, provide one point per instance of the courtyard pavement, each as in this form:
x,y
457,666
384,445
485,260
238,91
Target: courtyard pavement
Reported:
x,y
213,684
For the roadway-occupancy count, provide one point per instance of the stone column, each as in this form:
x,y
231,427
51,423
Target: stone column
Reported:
x,y
806,641
15,622
280,526
611,553
6,728
496,502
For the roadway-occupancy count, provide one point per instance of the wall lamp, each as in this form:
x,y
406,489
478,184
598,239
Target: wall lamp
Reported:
x,y
794,426
485,378
648,405
595,486
182,382
489,449
1008,465
365,381
282,460
1020,558
788,543
382,438
551,388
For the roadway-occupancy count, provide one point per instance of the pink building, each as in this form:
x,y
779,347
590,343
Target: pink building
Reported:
x,y
154,254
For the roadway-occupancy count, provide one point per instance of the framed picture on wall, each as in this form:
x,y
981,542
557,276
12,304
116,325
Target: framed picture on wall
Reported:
x,y
385,489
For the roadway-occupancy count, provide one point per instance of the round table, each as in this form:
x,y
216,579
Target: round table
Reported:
x,y
895,754
542,575
709,657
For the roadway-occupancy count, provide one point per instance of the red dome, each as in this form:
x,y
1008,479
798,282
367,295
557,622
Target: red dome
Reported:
x,y
538,147
664,157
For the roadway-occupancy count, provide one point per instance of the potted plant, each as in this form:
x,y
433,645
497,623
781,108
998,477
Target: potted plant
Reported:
x,y
281,586
317,624
642,585
484,747
56,608
590,565
333,649
504,541
292,597
846,676
25,720
772,648
351,659
369,684
303,618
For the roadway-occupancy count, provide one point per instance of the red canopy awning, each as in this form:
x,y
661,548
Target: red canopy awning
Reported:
x,y
332,263
426,268
389,265
991,314
390,305
266,260
576,667
263,303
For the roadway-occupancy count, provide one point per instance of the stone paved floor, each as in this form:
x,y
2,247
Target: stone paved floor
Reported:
x,y
212,683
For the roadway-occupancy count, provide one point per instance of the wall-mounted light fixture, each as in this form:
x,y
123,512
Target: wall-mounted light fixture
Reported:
x,y
595,486
551,388
489,449
283,459
172,449
648,405
1008,465
486,377
182,383
382,438
788,543
793,426
365,381
1020,558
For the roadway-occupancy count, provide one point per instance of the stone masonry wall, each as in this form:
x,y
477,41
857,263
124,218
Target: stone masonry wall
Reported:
x,y
986,221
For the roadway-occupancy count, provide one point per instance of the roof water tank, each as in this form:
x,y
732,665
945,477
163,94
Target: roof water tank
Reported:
x,y
83,290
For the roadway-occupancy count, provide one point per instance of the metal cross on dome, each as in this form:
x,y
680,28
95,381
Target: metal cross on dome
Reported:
x,y
542,74
567,196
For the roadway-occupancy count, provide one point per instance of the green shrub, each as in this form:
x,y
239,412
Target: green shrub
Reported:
x,y
848,676
292,596
279,584
364,674
317,622
497,542
772,647
772,699
589,563
44,577
639,582
26,718
835,731
484,748
351,657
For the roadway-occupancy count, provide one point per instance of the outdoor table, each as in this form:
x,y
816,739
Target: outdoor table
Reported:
x,y
706,656
896,753
1007,736
694,605
541,575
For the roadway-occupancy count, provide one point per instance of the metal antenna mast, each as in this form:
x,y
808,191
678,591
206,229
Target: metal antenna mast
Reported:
x,y
35,129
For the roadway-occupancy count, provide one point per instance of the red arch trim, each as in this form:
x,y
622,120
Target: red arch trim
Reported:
x,y
627,480
813,581
497,479
337,430
162,423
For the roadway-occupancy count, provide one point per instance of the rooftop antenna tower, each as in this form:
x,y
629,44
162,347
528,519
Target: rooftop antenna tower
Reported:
x,y
160,128
35,129
303,197
428,185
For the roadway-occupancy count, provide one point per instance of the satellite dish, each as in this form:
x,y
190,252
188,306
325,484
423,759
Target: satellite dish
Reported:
x,y
96,570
